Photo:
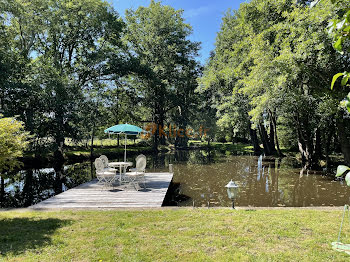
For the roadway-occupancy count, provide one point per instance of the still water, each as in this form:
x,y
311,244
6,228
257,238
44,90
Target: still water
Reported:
x,y
199,179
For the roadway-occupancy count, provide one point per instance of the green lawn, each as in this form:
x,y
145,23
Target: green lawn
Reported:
x,y
239,147
101,151
171,235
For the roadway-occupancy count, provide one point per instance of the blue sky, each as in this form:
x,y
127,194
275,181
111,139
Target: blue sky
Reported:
x,y
203,15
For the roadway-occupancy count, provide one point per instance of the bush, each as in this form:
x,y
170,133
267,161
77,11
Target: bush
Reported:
x,y
13,141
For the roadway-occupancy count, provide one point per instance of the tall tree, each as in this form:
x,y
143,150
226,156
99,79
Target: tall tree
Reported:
x,y
68,45
158,36
13,141
277,53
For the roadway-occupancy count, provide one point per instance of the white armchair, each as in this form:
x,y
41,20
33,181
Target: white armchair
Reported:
x,y
137,174
105,164
104,176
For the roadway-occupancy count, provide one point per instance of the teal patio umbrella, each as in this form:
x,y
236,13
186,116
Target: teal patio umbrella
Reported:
x,y
125,129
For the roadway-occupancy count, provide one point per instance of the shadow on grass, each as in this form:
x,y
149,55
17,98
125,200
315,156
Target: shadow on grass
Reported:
x,y
20,234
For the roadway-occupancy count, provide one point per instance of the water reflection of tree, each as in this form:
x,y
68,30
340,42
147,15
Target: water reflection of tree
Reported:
x,y
202,176
206,183
32,186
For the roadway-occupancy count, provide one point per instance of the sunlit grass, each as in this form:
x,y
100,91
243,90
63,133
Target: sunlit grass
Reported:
x,y
229,146
101,151
171,235
103,142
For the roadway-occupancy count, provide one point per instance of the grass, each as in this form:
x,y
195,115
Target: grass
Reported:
x,y
102,151
109,146
237,147
171,235
104,142
104,147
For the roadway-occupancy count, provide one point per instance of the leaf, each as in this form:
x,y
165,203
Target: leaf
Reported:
x,y
344,80
314,3
347,179
337,45
341,170
340,24
335,77
331,26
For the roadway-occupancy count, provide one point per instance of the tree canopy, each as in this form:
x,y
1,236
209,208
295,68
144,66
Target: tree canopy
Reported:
x,y
278,57
13,141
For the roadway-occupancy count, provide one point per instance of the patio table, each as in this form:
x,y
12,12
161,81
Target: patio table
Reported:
x,y
122,168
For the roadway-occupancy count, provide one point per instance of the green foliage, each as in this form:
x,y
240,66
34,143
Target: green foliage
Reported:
x,y
344,81
69,69
158,37
341,170
339,29
13,141
272,61
63,48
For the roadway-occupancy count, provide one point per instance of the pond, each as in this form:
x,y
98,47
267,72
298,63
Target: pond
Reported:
x,y
199,180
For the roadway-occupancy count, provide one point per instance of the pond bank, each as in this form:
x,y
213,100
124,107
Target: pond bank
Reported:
x,y
78,154
74,154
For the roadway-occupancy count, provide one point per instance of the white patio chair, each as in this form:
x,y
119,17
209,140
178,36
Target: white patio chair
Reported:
x,y
106,178
137,174
105,164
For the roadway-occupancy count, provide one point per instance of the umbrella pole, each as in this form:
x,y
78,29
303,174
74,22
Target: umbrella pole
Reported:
x,y
125,149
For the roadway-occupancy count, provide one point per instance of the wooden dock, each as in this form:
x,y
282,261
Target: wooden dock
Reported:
x,y
91,195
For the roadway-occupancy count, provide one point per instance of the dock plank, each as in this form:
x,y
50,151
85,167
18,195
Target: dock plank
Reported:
x,y
91,195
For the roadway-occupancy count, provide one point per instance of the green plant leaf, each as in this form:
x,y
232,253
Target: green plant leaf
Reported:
x,y
347,179
341,170
344,80
340,24
337,45
314,3
335,77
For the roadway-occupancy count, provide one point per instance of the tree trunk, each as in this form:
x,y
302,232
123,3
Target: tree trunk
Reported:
x,y
254,140
155,133
306,145
2,191
272,138
92,141
162,138
328,138
28,188
265,140
58,165
343,138
273,122
92,150
317,144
